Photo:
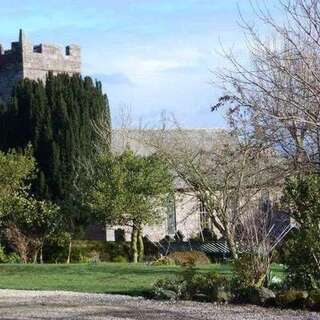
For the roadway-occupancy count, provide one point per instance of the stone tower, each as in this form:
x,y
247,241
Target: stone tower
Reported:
x,y
24,60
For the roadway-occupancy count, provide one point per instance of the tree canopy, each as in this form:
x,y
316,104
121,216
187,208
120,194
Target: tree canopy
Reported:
x,y
58,119
130,190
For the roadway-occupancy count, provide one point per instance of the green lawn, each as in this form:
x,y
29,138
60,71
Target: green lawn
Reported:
x,y
120,278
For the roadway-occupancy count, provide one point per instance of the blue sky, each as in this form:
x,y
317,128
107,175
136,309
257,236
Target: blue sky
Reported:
x,y
151,55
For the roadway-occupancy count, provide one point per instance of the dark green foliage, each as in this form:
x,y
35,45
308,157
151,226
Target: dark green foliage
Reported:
x,y
194,285
57,119
120,259
302,198
85,250
295,299
253,295
132,190
314,300
251,269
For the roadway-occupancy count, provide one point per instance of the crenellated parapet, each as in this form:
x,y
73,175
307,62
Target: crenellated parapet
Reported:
x,y
25,60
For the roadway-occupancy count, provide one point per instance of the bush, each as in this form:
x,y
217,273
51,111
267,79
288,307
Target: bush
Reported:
x,y
3,256
120,259
55,249
301,199
169,288
86,251
192,285
189,257
163,261
253,295
314,300
13,258
296,299
209,287
252,269
107,251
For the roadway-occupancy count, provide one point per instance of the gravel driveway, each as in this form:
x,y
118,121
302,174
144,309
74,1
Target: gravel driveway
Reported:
x,y
67,305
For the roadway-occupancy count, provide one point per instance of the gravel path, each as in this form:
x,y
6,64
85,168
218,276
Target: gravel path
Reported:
x,y
16,304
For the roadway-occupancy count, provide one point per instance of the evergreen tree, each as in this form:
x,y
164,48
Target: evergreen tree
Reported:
x,y
57,117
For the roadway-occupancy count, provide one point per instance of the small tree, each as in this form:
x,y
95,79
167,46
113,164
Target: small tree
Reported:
x,y
27,221
302,198
130,190
16,170
32,222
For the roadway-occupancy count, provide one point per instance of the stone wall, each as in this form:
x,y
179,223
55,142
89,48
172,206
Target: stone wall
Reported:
x,y
24,60
11,70
39,60
187,213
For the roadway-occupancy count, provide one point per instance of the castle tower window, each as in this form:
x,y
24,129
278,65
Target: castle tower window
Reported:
x,y
67,51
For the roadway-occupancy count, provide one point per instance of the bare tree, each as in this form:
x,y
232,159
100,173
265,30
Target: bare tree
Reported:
x,y
226,172
278,90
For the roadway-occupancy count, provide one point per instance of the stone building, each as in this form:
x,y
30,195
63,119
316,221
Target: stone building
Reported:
x,y
25,60
184,212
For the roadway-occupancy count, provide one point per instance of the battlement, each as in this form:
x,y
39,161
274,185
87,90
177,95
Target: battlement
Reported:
x,y
52,49
25,60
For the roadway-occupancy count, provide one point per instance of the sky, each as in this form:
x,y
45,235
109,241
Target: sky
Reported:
x,y
152,56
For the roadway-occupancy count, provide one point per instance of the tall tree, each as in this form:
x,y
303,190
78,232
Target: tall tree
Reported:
x,y
227,173
58,118
130,190
277,89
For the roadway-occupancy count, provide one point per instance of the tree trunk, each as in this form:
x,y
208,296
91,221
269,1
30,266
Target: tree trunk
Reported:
x,y
134,242
35,255
232,245
141,245
69,251
41,253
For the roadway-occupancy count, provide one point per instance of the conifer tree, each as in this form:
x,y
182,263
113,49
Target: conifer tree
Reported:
x,y
57,118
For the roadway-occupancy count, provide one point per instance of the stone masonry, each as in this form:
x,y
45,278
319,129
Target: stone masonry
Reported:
x,y
24,60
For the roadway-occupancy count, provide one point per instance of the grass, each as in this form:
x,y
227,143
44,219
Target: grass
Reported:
x,y
121,278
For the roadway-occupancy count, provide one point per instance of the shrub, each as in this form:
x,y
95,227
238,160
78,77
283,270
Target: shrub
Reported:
x,y
187,257
314,300
120,259
55,249
254,295
13,258
296,299
251,269
301,199
3,256
209,287
193,285
86,251
170,288
163,261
